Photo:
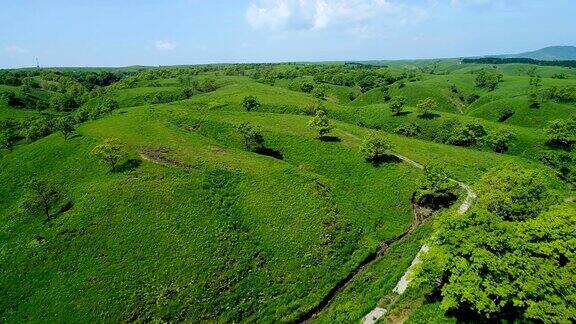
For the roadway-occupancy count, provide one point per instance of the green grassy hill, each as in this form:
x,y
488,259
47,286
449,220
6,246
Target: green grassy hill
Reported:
x,y
193,227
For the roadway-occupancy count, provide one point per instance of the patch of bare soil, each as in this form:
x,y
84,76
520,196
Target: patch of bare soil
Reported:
x,y
160,156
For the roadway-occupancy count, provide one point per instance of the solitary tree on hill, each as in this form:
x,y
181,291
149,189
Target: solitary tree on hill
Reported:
x,y
374,148
43,196
66,126
251,136
397,105
320,123
111,152
426,106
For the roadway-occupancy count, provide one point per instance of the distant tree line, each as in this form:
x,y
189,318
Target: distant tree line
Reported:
x,y
495,60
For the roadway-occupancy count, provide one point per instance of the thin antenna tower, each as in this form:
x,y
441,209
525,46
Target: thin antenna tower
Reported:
x,y
37,63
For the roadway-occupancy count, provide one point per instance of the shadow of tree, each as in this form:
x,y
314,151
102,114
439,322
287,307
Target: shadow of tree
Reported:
x,y
330,139
387,158
271,153
129,165
429,116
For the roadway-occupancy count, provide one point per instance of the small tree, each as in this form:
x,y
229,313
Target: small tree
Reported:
x,y
307,87
251,136
250,103
43,196
409,129
111,152
534,99
466,135
320,123
397,105
8,139
435,188
505,114
374,147
500,140
425,107
319,93
562,132
66,125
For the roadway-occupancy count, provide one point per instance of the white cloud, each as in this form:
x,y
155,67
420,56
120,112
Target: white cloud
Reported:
x,y
481,3
165,45
14,50
322,14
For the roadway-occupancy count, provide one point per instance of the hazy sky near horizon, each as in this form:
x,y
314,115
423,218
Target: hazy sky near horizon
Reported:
x,y
162,32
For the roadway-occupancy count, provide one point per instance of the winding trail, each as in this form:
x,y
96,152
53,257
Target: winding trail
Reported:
x,y
374,315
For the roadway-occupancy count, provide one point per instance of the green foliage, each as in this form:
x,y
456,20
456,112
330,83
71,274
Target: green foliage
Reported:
x,y
535,81
307,87
65,125
8,139
534,99
508,257
505,114
397,105
563,162
44,197
8,134
62,102
488,79
466,135
425,107
562,132
313,107
250,103
111,151
409,129
319,93
515,193
251,136
36,128
500,140
495,269
436,188
374,147
565,94
320,123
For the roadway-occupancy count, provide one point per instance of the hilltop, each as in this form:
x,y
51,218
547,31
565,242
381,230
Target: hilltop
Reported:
x,y
551,53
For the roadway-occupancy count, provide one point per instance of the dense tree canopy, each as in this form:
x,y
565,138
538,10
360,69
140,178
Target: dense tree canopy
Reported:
x,y
513,255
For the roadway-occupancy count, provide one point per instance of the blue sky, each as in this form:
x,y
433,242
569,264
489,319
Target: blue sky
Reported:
x,y
155,32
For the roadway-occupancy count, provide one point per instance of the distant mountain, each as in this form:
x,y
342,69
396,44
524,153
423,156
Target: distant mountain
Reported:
x,y
552,53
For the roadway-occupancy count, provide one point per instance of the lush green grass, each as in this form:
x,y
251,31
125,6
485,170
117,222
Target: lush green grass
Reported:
x,y
238,225
239,236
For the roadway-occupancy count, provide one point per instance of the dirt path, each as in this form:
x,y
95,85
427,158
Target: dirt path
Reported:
x,y
378,312
403,283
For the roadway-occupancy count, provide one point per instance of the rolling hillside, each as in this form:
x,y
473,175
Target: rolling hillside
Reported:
x,y
195,226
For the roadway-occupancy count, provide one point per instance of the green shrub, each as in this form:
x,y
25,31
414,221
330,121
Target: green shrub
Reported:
x,y
250,103
409,129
